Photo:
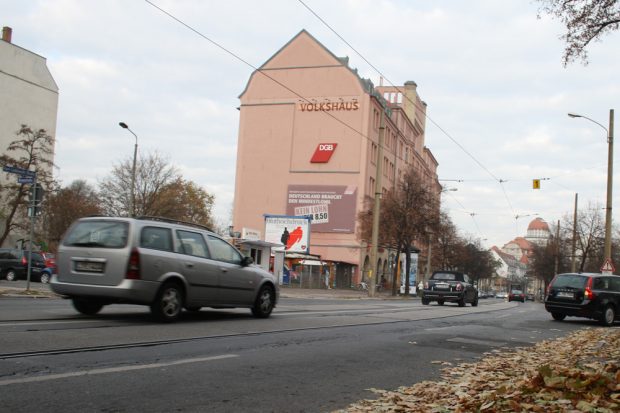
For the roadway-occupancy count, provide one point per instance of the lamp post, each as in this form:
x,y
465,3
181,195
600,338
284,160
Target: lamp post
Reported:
x,y
610,168
133,170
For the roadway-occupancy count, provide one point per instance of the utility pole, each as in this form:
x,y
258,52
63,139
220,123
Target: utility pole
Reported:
x,y
376,210
573,265
610,176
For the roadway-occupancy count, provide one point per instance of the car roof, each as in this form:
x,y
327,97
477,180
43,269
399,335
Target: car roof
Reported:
x,y
148,218
589,274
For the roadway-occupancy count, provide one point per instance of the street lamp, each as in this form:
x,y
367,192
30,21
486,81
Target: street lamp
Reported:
x,y
133,170
610,168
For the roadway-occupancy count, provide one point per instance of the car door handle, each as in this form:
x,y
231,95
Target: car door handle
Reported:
x,y
223,269
189,264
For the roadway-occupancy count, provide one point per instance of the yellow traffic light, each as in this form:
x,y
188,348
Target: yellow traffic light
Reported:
x,y
536,183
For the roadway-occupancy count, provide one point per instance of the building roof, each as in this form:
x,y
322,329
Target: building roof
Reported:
x,y
538,224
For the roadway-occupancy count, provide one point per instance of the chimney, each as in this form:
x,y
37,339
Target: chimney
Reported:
x,y
6,34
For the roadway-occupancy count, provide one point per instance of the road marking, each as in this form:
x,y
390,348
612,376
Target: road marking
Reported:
x,y
474,341
112,370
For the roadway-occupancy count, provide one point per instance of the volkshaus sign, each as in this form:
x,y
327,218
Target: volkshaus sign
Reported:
x,y
329,106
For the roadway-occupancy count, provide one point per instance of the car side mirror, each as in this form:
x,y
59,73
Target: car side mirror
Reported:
x,y
246,261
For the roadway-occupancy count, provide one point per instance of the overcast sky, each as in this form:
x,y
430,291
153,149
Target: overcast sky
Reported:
x,y
490,71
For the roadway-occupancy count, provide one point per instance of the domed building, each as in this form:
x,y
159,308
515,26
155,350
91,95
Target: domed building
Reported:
x,y
538,232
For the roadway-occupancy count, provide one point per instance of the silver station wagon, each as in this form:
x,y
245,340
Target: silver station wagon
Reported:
x,y
165,264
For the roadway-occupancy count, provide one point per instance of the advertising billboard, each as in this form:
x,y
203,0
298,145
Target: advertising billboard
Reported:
x,y
332,207
293,232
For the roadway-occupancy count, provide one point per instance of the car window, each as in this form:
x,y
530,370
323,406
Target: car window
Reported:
x,y
601,283
6,255
570,280
223,251
191,243
156,238
98,234
444,276
615,284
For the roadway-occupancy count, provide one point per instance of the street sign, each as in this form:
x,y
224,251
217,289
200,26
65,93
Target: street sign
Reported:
x,y
608,267
18,171
25,179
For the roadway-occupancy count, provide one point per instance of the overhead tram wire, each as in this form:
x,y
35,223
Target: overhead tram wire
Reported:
x,y
500,181
252,66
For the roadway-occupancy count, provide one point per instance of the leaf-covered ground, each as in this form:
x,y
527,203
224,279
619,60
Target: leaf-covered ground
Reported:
x,y
576,373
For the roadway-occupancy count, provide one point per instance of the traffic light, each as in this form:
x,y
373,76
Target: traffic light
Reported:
x,y
36,198
536,183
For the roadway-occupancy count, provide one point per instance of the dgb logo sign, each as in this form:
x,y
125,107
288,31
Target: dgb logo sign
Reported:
x,y
323,152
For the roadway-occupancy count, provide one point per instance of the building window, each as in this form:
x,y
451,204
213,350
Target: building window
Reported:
x,y
373,153
371,186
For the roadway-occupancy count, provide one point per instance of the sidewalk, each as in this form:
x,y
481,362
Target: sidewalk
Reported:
x,y
337,293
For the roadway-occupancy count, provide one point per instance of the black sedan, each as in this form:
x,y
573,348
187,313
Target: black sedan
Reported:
x,y
450,286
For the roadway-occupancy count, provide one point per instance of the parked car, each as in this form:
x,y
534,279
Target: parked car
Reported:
x,y
451,286
14,264
516,295
586,295
529,297
165,264
501,295
50,261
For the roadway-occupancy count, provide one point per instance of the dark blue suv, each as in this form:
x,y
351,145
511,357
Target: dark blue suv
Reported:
x,y
588,295
14,265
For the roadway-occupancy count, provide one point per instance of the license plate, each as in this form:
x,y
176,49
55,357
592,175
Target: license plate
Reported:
x,y
88,266
562,294
442,286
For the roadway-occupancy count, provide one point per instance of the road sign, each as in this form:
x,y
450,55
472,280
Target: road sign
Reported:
x,y
608,266
25,179
18,171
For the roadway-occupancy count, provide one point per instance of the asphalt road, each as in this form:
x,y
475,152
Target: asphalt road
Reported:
x,y
312,355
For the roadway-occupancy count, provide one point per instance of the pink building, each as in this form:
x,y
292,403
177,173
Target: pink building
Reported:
x,y
309,144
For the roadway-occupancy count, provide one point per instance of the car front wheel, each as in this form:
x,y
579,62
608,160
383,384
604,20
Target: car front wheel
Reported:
x,y
558,316
425,301
265,301
168,303
475,302
45,278
608,317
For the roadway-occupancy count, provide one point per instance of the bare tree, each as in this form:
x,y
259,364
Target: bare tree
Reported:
x,y
160,191
153,173
590,234
585,20
408,213
32,150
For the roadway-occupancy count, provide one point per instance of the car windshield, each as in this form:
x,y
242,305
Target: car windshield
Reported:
x,y
517,292
570,281
444,276
98,234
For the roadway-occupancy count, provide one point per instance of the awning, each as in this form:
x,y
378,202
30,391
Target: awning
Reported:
x,y
310,262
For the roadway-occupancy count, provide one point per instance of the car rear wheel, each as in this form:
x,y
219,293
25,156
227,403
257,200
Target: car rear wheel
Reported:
x,y
168,303
425,301
11,275
45,278
440,302
558,316
87,306
609,315
263,306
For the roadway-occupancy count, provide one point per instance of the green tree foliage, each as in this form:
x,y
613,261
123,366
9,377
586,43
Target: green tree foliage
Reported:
x,y
32,150
64,206
585,21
